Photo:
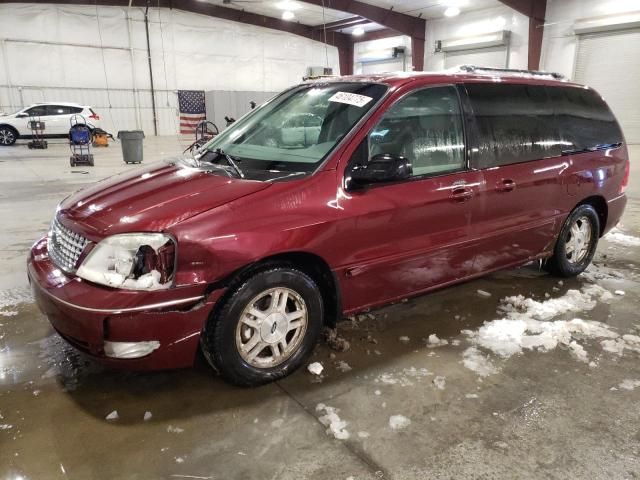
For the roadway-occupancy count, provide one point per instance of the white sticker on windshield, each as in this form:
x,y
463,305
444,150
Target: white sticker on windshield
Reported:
x,y
350,98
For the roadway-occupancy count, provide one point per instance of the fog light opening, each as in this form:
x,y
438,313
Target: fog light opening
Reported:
x,y
130,349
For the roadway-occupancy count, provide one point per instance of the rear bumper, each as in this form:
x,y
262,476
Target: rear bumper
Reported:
x,y
88,315
615,209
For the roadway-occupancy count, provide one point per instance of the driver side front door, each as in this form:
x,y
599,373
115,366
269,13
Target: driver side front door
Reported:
x,y
414,235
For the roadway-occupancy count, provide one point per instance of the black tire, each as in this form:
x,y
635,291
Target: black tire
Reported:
x,y
561,263
220,336
8,136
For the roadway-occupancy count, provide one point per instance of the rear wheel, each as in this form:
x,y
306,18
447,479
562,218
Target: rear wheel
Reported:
x,y
8,136
266,328
576,243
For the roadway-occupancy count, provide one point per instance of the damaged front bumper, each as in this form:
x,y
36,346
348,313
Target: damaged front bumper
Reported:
x,y
138,330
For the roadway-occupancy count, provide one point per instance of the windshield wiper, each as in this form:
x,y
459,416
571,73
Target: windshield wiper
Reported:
x,y
230,161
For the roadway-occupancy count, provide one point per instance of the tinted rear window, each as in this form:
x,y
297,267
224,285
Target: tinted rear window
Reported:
x,y
520,123
57,110
584,119
515,124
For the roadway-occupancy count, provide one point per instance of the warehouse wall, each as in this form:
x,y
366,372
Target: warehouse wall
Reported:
x,y
53,53
559,43
475,23
374,56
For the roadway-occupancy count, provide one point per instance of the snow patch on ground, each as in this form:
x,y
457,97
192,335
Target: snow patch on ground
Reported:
x,y
112,416
315,368
403,378
433,341
618,236
527,325
335,425
398,422
474,360
629,384
343,366
440,382
620,344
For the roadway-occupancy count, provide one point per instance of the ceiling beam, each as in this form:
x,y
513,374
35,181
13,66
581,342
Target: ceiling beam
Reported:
x,y
535,10
414,27
341,41
406,24
376,35
344,23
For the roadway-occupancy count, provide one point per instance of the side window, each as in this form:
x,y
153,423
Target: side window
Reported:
x,y
583,118
515,124
37,111
57,110
75,110
424,127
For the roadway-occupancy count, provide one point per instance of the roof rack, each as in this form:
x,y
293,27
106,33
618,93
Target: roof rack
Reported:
x,y
474,69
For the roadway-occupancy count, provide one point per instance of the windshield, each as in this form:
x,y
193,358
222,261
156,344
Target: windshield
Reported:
x,y
295,132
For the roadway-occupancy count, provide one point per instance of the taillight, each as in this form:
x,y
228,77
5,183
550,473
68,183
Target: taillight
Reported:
x,y
625,178
94,117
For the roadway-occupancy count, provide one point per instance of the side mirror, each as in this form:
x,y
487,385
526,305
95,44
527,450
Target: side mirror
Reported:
x,y
381,168
22,115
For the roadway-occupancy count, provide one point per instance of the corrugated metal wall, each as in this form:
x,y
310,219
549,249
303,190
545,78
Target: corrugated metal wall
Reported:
x,y
97,56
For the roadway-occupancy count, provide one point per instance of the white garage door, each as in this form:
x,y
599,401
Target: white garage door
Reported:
x,y
610,63
495,57
395,65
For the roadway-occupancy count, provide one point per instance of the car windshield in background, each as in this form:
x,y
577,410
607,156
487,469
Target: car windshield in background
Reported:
x,y
296,131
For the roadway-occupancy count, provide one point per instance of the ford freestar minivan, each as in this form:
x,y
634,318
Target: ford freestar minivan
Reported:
x,y
412,182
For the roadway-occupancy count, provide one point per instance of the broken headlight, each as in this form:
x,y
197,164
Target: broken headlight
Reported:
x,y
134,261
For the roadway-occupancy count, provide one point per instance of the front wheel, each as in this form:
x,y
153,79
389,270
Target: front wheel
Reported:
x,y
576,243
265,328
8,136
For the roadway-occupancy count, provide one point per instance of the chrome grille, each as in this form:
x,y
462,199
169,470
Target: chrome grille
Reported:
x,y
65,246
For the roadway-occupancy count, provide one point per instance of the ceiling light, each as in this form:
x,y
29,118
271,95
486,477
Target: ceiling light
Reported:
x,y
288,15
452,12
288,5
357,32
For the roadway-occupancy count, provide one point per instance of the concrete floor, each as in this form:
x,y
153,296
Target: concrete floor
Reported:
x,y
540,415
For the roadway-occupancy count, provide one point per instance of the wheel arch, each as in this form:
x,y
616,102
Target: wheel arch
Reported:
x,y
311,264
602,209
11,127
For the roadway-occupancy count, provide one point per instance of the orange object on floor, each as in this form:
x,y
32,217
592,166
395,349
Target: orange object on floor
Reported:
x,y
100,140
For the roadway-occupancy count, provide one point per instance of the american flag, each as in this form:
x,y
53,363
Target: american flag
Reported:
x,y
192,109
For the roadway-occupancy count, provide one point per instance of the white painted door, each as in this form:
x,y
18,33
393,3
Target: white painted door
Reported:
x,y
610,63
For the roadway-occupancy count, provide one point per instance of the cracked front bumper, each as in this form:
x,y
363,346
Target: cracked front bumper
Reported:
x,y
91,317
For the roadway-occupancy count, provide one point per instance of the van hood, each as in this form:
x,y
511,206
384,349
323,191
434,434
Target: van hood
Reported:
x,y
151,199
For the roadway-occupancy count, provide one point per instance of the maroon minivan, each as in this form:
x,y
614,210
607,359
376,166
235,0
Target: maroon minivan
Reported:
x,y
384,187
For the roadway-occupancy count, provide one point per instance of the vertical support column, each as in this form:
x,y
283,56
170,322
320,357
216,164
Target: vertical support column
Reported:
x,y
417,53
132,56
536,32
345,57
153,92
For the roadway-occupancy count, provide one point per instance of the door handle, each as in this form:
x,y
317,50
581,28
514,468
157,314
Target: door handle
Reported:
x,y
461,194
506,185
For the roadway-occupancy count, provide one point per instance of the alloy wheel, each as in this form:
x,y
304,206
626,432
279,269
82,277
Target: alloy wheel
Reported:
x,y
271,327
7,137
578,240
